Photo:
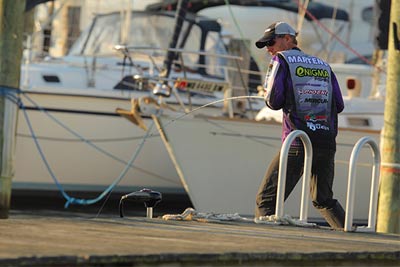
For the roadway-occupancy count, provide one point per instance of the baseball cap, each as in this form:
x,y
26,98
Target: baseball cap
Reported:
x,y
277,28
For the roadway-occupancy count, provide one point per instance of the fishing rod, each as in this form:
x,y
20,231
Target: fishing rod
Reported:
x,y
213,103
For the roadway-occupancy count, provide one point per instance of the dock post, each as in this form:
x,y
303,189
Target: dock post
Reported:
x,y
11,30
388,218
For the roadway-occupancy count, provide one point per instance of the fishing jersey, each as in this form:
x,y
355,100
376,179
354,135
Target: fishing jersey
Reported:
x,y
307,91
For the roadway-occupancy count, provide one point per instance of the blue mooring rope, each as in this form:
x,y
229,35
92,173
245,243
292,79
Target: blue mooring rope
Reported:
x,y
10,93
71,200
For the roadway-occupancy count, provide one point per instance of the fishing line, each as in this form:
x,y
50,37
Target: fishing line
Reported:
x,y
212,103
149,133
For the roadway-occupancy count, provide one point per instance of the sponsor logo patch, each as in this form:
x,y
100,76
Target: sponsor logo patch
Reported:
x,y
317,126
311,72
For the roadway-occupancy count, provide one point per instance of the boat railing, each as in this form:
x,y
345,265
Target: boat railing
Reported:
x,y
227,69
176,50
126,50
374,186
279,209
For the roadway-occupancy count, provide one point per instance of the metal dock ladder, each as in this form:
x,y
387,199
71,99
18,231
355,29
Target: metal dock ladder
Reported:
x,y
374,186
351,180
305,194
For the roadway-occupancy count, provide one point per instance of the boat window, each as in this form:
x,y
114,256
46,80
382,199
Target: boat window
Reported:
x,y
100,38
360,122
154,31
215,45
367,15
145,30
79,43
192,44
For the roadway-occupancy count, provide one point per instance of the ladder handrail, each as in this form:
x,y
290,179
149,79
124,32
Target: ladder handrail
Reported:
x,y
308,154
373,202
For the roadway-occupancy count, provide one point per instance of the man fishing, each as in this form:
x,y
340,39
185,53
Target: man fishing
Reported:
x,y
307,91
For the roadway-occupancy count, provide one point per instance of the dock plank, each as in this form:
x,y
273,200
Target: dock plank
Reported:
x,y
77,237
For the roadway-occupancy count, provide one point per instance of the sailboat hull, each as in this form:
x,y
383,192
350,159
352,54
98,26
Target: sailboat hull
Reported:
x,y
223,162
87,145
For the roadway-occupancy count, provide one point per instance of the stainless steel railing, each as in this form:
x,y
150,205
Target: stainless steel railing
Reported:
x,y
374,186
306,175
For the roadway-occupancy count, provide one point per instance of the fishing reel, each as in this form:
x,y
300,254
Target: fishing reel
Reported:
x,y
149,197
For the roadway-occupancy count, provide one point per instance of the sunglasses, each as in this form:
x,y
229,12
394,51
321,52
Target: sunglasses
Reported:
x,y
273,41
270,42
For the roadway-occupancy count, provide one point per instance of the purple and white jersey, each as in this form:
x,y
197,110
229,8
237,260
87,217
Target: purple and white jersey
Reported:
x,y
307,90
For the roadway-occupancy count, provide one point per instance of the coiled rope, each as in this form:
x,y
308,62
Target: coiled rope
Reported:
x,y
191,214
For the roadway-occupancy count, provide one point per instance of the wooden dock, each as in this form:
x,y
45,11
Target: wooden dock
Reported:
x,y
55,238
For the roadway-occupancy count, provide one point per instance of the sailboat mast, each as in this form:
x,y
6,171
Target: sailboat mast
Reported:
x,y
179,17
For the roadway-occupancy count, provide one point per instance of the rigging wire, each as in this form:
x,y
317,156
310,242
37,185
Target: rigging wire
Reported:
x,y
338,38
90,142
238,27
75,140
107,191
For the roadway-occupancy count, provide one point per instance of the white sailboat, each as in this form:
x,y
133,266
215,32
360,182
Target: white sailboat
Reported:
x,y
71,104
68,105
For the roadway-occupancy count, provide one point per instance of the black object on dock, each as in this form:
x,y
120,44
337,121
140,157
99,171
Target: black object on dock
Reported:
x,y
149,197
